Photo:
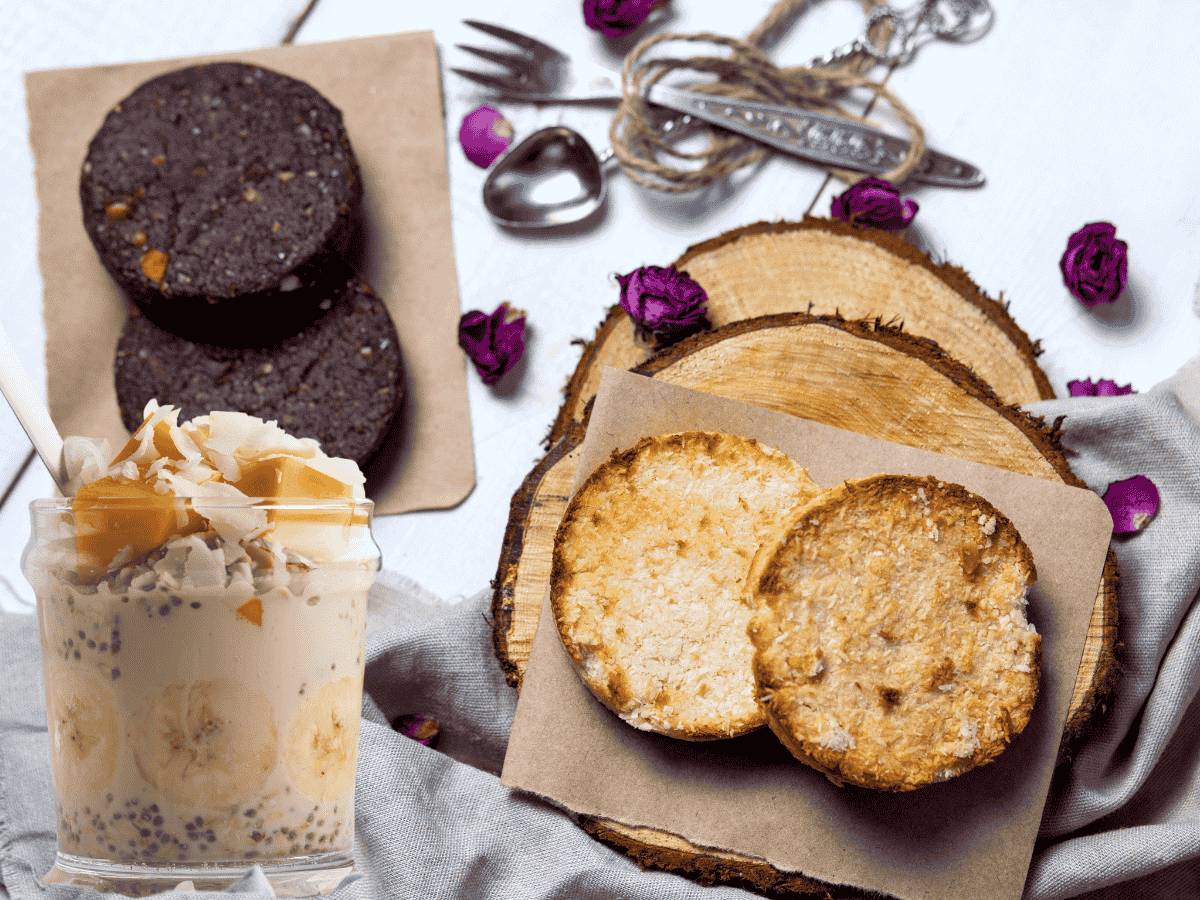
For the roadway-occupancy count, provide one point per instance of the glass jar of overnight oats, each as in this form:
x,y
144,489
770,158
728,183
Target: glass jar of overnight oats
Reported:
x,y
203,698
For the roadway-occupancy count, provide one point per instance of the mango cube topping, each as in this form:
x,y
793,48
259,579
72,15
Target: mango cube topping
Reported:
x,y
251,611
126,520
287,476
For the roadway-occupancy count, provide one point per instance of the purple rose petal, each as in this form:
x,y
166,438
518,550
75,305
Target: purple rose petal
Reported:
x,y
421,729
493,343
1105,387
665,305
1095,265
1132,503
614,18
484,135
874,203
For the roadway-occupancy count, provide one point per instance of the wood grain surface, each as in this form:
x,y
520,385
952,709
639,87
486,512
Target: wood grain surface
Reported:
x,y
866,377
823,266
851,328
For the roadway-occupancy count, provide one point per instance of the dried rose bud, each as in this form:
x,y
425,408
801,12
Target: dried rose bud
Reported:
x,y
665,305
874,203
1132,502
484,135
421,729
614,18
493,343
1105,387
1095,264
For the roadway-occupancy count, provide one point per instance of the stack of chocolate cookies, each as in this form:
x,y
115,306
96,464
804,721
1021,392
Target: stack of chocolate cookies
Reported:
x,y
225,200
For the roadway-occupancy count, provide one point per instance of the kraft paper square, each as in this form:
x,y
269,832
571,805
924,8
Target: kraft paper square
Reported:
x,y
389,91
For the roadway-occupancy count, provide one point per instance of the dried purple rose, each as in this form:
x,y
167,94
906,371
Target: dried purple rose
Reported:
x,y
484,135
493,343
1105,387
1095,264
421,729
614,18
665,304
1132,502
874,203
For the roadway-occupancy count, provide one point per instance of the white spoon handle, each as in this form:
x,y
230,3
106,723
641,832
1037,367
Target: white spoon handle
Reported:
x,y
31,411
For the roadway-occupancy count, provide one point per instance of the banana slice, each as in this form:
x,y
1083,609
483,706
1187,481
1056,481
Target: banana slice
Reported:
x,y
211,741
84,730
322,746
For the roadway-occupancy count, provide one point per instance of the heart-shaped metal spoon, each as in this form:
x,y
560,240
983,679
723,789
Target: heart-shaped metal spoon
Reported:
x,y
551,178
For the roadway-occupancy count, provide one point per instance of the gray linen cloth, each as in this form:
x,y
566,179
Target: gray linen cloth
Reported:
x,y
1122,820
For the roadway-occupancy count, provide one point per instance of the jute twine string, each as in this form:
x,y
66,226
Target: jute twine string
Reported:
x,y
650,156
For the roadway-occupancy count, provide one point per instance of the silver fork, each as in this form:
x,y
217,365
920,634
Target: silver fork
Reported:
x,y
539,73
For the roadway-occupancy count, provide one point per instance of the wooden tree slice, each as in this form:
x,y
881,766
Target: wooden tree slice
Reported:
x,y
823,266
865,377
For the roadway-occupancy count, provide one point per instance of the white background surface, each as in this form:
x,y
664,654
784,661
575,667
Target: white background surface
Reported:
x,y
1076,110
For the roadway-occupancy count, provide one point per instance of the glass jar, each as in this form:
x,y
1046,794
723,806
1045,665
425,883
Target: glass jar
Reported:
x,y
203,669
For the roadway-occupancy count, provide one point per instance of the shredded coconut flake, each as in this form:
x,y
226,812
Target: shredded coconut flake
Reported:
x,y
837,738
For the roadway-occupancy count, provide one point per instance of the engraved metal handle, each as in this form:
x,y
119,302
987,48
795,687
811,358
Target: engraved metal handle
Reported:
x,y
827,139
958,21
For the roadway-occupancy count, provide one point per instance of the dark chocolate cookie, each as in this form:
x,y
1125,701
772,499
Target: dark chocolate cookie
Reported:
x,y
340,380
218,196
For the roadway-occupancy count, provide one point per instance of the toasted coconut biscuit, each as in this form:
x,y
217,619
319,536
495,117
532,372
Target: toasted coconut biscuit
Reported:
x,y
891,645
648,580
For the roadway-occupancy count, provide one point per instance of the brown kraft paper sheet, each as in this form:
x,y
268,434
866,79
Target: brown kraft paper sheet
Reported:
x,y
967,839
389,92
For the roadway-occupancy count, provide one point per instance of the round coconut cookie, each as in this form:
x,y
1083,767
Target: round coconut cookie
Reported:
x,y
217,195
891,644
340,380
648,578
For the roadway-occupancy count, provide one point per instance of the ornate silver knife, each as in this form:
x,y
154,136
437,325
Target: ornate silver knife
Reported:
x,y
821,137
